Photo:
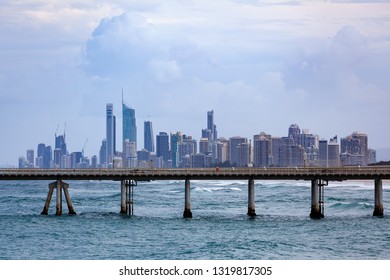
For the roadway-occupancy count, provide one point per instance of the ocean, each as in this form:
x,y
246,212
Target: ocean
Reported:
x,y
219,229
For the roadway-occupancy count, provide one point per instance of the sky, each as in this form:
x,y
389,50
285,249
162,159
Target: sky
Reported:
x,y
260,65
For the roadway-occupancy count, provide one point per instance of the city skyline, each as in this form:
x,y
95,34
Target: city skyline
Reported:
x,y
180,150
260,65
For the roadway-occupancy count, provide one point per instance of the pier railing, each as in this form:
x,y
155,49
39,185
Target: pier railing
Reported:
x,y
295,173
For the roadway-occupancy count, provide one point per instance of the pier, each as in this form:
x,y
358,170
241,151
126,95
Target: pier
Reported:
x,y
318,176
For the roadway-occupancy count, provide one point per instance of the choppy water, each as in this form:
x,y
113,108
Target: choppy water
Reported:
x,y
219,229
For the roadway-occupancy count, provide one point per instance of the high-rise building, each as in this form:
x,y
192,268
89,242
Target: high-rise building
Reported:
x,y
211,126
354,149
333,153
234,149
148,136
323,153
294,133
47,157
129,125
176,139
261,150
222,150
30,158
61,144
110,133
103,153
162,146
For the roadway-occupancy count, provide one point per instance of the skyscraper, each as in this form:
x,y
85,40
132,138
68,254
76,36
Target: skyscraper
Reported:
x,y
148,136
162,143
211,126
110,133
176,139
129,126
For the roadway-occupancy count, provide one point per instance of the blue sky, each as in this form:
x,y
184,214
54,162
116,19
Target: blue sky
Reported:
x,y
260,65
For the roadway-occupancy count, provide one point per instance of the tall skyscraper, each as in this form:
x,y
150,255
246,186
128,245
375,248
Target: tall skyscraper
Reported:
x,y
110,133
61,144
176,140
129,126
148,136
162,143
211,126
103,153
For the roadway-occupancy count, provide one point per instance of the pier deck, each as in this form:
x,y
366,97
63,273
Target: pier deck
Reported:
x,y
319,177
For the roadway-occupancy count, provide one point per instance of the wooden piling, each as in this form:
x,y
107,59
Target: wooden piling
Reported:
x,y
65,187
45,210
59,186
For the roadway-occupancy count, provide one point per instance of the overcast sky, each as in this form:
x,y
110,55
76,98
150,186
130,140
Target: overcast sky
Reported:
x,y
260,65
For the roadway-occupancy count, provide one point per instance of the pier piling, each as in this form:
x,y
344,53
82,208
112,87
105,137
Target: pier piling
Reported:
x,y
45,210
378,210
316,212
127,197
123,197
187,203
251,198
59,185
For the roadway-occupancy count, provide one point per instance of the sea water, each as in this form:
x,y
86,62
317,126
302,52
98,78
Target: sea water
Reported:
x,y
219,229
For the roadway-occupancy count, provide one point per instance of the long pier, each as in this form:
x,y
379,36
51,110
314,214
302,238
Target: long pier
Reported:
x,y
319,177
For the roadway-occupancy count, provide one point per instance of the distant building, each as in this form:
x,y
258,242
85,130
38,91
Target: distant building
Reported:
x,y
262,150
176,140
148,136
222,150
110,133
162,146
235,150
30,158
323,153
333,153
47,157
129,126
294,133
354,149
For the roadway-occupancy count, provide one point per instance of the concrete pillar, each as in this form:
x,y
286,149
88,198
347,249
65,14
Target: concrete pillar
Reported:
x,y
251,198
59,198
378,210
315,206
187,204
123,197
48,199
65,187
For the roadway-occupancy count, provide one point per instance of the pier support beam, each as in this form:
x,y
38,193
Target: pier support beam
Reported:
x,y
127,196
251,198
316,202
187,201
59,186
123,198
378,210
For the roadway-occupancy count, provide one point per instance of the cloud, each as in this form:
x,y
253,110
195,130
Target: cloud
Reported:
x,y
343,65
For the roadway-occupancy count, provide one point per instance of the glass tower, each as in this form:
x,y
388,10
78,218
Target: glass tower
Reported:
x,y
110,133
129,124
148,136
